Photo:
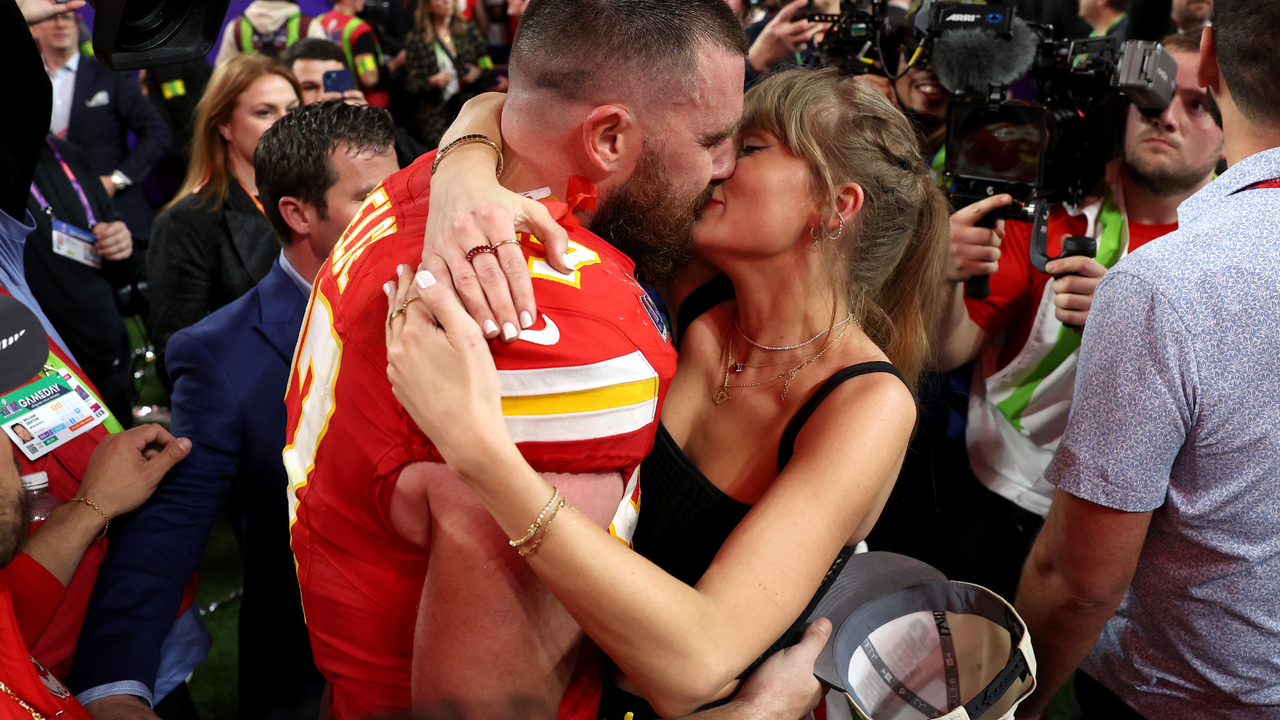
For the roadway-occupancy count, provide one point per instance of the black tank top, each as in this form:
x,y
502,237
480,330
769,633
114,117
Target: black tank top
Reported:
x,y
685,518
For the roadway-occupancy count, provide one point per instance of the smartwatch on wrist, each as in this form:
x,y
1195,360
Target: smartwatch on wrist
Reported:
x,y
119,180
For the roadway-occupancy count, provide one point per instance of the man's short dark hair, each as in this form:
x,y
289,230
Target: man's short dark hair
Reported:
x,y
292,158
573,47
313,49
1245,33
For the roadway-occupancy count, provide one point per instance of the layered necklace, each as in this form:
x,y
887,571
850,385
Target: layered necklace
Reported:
x,y
721,394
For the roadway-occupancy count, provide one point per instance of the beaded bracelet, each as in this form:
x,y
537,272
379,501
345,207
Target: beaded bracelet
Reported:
x,y
537,524
462,141
96,509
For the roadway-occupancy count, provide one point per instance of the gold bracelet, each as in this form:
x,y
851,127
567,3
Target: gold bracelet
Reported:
x,y
463,141
537,543
96,509
533,529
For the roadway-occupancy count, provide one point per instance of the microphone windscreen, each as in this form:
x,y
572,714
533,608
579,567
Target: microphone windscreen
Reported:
x,y
969,60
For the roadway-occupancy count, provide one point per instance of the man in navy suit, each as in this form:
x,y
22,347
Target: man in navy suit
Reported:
x,y
95,107
314,168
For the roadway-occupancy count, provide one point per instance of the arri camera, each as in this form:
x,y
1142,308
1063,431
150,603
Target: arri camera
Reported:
x,y
1048,152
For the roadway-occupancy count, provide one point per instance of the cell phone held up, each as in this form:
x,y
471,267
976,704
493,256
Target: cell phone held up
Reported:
x,y
339,81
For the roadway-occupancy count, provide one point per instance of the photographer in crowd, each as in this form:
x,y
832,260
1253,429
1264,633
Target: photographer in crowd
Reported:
x,y
1172,452
1022,388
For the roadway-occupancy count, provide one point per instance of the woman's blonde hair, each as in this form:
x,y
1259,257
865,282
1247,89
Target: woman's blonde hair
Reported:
x,y
890,259
426,25
207,172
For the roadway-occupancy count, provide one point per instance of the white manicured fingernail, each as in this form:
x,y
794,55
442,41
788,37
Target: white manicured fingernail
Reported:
x,y
526,320
424,279
490,327
509,332
567,262
387,288
400,270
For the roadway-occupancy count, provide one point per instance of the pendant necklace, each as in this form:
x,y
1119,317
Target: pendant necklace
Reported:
x,y
721,394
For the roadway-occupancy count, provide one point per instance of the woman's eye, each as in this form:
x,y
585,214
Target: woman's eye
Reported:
x,y
749,149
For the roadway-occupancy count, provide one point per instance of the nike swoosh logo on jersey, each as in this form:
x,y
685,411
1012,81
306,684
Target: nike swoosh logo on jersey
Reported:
x,y
548,336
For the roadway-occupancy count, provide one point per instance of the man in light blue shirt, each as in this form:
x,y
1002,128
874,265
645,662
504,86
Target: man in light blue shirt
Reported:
x,y
1163,541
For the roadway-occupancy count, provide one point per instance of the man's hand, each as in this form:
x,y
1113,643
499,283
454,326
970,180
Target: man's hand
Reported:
x,y
352,97
108,185
780,38
975,250
397,61
120,707
440,79
126,467
783,687
37,11
115,242
1073,292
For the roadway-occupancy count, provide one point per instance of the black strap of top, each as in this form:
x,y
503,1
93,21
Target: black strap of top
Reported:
x,y
701,300
787,447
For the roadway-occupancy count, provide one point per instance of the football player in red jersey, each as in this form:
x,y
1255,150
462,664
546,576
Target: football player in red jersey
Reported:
x,y
640,117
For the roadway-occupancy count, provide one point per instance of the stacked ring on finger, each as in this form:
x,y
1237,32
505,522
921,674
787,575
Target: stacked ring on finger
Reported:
x,y
471,254
402,309
506,242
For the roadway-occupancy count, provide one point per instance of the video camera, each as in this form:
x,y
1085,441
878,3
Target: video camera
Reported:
x,y
1045,153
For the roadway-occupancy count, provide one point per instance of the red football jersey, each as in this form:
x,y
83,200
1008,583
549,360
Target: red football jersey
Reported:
x,y
582,393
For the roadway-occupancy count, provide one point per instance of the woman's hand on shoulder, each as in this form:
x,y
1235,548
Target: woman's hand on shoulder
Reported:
x,y
470,209
441,369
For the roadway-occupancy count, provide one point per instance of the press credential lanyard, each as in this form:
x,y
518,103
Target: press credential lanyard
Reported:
x,y
66,170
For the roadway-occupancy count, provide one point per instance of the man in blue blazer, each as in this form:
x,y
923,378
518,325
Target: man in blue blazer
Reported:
x,y
314,168
95,107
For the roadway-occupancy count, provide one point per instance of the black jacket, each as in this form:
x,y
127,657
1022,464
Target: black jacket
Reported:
x,y
79,300
105,106
202,258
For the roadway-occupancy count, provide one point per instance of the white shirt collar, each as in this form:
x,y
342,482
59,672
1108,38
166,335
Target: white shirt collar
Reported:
x,y
303,284
72,65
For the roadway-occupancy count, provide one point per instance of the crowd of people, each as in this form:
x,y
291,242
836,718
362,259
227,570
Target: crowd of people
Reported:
x,y
552,358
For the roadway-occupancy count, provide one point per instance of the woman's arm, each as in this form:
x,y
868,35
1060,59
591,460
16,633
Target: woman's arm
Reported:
x,y
420,65
181,272
470,208
681,645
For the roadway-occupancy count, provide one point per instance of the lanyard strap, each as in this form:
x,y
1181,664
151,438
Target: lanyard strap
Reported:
x,y
66,170
252,197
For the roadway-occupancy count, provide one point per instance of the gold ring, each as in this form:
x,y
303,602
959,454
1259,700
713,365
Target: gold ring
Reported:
x,y
409,300
395,314
506,242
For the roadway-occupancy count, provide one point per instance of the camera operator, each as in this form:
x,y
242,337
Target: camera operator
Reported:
x,y
1022,388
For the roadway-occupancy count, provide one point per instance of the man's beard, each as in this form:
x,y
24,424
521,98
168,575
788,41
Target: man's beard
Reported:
x,y
13,521
1165,180
646,220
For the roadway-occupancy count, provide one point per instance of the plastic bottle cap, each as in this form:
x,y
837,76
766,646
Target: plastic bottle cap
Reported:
x,y
35,481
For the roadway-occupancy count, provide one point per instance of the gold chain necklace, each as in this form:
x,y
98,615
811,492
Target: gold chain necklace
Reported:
x,y
35,714
721,394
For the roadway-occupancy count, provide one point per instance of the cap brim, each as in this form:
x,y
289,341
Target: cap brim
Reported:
x,y
863,578
24,346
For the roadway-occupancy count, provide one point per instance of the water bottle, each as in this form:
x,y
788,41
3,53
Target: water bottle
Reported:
x,y
39,502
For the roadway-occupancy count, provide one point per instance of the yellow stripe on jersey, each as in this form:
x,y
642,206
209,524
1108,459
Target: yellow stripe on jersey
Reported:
x,y
582,402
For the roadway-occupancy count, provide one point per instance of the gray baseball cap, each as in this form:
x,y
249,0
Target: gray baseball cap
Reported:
x,y
909,644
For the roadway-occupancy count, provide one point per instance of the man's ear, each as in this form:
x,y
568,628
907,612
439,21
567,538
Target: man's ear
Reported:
x,y
297,214
1207,73
610,138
